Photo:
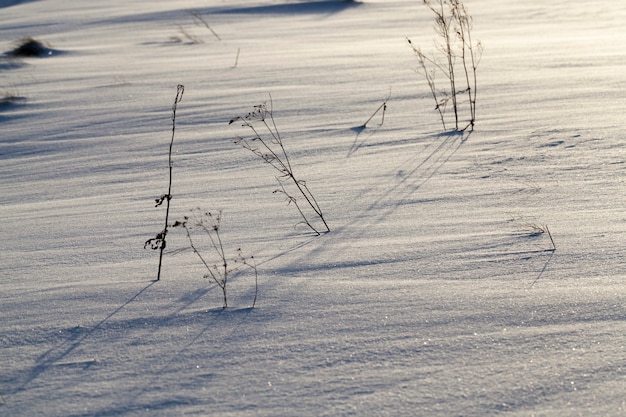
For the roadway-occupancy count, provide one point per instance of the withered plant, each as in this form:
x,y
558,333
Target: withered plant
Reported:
x,y
211,251
158,242
267,143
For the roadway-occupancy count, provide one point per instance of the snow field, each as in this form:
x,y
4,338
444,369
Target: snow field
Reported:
x,y
431,296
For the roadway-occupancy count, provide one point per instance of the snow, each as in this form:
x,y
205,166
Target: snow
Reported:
x,y
431,296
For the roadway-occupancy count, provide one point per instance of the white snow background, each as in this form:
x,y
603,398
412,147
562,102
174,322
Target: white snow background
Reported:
x,y
431,296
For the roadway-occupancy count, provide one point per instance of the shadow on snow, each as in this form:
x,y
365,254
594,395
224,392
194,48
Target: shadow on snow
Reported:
x,y
302,7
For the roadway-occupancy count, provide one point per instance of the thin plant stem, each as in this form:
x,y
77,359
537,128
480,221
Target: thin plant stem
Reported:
x,y
443,26
382,107
180,89
159,242
550,236
430,80
453,28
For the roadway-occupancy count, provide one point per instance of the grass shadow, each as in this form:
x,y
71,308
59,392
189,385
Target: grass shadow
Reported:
x,y
419,171
358,142
58,353
416,171
235,317
545,266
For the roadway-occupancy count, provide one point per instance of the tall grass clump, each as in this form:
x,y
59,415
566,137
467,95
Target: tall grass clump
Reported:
x,y
158,242
266,143
457,61
219,266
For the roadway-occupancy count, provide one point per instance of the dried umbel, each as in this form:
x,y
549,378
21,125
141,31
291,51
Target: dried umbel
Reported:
x,y
200,224
266,143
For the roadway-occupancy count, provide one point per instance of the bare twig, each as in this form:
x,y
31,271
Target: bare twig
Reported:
x,y
382,107
158,242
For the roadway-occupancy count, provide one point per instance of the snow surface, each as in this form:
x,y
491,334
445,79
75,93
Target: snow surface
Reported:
x,y
432,295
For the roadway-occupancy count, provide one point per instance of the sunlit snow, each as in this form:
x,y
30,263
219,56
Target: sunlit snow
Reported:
x,y
437,293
